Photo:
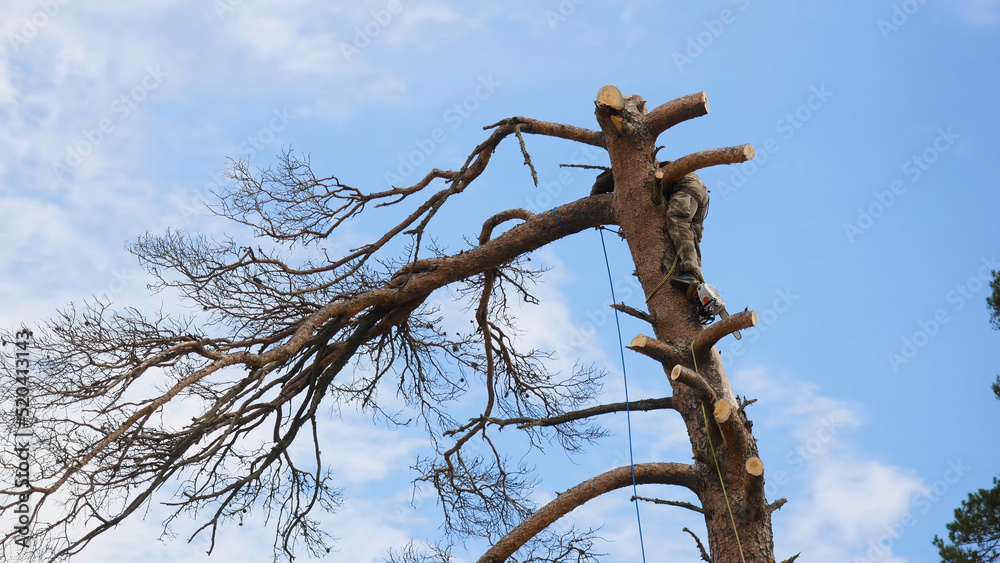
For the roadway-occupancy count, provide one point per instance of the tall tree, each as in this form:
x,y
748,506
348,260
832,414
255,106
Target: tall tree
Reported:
x,y
993,302
974,536
277,341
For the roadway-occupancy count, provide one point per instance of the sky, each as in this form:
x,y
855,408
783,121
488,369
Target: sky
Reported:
x,y
863,232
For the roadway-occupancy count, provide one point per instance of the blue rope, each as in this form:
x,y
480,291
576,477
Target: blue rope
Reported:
x,y
564,226
628,413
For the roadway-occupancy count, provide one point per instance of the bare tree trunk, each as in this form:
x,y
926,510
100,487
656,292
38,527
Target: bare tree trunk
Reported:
x,y
737,515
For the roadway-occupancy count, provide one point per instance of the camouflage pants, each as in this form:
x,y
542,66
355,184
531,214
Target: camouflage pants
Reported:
x,y
684,217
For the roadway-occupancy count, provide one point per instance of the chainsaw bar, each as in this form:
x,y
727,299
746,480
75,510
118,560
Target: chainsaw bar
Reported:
x,y
724,314
710,303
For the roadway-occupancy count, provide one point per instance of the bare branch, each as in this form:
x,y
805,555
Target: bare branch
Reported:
x,y
744,403
680,504
527,157
655,349
586,166
673,112
701,548
753,481
677,169
718,330
776,505
690,378
645,473
724,413
634,406
536,127
632,311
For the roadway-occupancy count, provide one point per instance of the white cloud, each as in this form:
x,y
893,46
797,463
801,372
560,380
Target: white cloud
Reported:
x,y
6,88
794,403
839,498
358,453
851,503
274,39
416,19
364,534
672,437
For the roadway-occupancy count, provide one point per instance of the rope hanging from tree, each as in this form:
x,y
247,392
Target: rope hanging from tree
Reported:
x,y
628,412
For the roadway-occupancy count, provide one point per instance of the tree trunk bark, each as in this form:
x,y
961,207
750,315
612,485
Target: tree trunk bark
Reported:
x,y
736,513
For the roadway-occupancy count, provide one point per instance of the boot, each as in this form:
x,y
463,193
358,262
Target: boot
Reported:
x,y
684,281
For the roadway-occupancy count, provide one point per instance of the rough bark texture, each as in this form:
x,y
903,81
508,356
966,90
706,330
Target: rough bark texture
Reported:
x,y
643,225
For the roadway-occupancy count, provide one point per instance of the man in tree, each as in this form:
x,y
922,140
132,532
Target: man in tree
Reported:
x,y
687,205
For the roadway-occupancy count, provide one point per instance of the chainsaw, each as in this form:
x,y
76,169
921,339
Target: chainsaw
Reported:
x,y
710,303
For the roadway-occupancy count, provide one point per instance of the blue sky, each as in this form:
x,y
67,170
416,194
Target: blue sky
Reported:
x,y
862,232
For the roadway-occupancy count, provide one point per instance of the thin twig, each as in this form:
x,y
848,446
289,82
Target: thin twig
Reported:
x,y
632,311
588,166
527,422
701,548
744,404
681,504
524,151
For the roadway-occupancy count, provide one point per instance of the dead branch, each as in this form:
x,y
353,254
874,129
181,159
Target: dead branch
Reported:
x,y
634,406
527,157
776,505
655,349
744,403
680,504
701,548
500,218
387,306
688,377
724,414
676,169
536,127
667,115
586,166
719,329
632,311
753,483
645,473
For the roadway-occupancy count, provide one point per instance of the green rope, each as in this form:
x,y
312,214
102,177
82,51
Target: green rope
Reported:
x,y
664,280
718,469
